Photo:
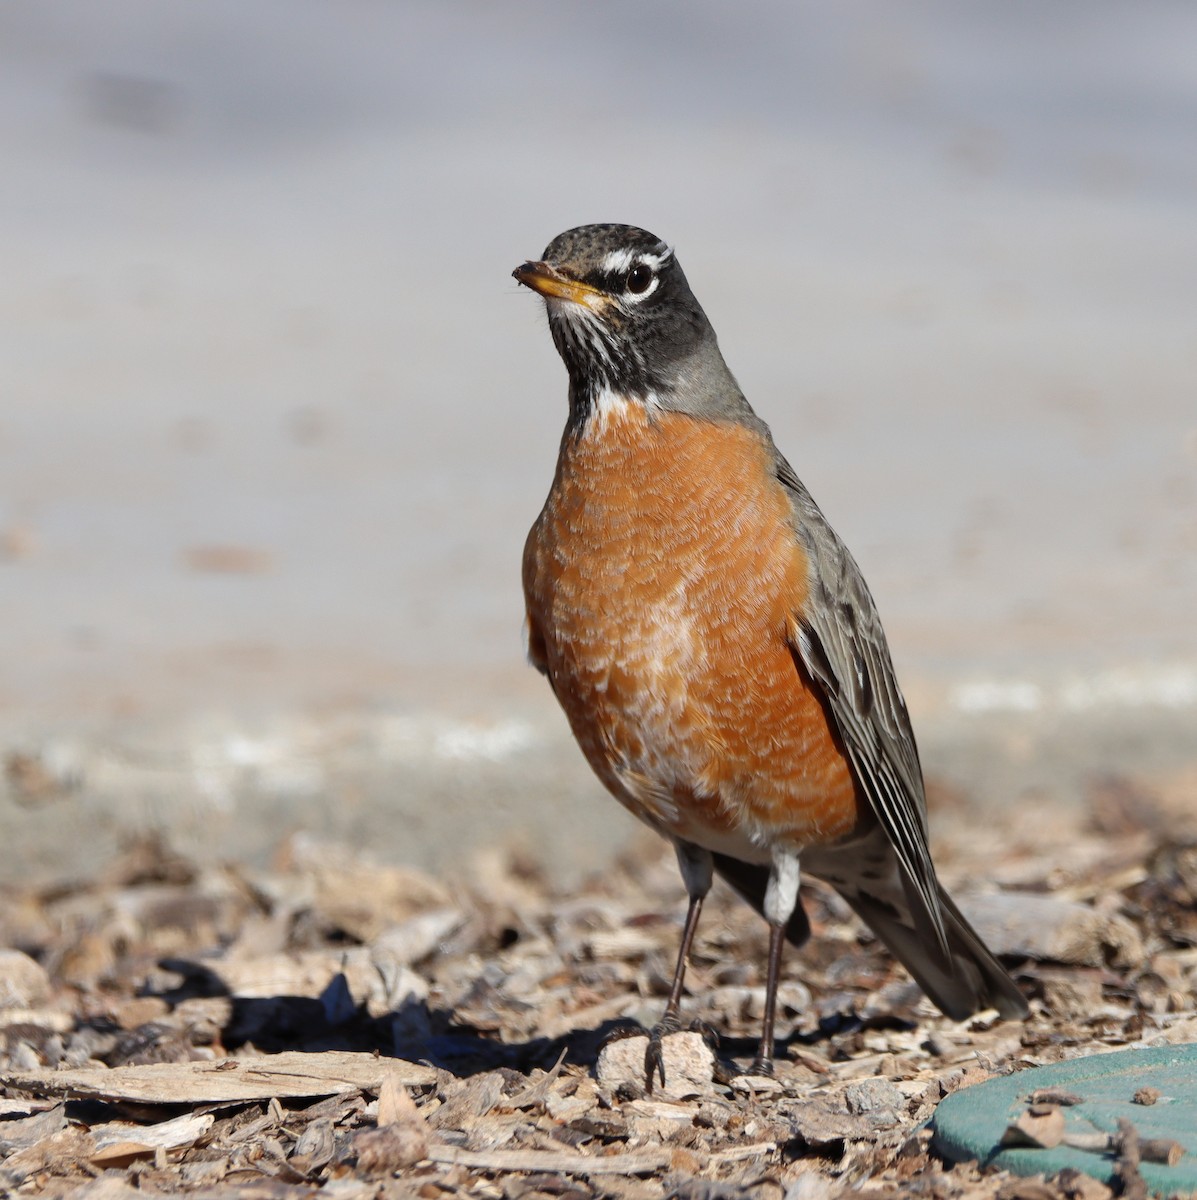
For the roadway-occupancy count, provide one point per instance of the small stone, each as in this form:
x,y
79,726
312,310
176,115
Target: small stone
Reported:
x,y
1147,1095
874,1096
689,1066
23,982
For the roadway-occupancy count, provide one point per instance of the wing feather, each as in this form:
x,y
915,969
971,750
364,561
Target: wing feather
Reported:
x,y
840,645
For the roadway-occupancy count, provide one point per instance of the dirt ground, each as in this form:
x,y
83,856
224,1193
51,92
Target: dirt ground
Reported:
x,y
342,1026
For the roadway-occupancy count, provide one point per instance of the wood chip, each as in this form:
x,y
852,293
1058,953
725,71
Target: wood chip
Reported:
x,y
60,1151
1076,1185
384,1151
24,983
20,1134
1130,1183
314,1148
1056,1096
824,1128
401,1138
120,1142
1041,1126
1161,1150
537,1092
288,1074
739,1153
395,1105
636,1162
467,1101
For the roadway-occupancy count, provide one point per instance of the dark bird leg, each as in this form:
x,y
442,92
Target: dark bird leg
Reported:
x,y
763,1063
697,868
781,898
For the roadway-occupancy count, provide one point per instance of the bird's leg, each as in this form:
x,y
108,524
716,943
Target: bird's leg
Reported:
x,y
763,1063
781,897
697,868
670,1022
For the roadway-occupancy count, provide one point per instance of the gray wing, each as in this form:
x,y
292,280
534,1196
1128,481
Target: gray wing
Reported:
x,y
842,647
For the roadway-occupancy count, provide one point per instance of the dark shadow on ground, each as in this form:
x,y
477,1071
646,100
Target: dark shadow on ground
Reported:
x,y
417,1032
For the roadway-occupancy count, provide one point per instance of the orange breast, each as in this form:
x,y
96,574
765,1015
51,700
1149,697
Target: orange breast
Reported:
x,y
661,578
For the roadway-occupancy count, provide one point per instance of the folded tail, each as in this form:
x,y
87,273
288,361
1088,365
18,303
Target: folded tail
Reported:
x,y
965,981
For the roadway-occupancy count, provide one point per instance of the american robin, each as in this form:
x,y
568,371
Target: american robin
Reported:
x,y
712,641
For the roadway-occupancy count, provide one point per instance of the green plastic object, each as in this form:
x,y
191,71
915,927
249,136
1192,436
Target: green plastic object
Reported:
x,y
969,1124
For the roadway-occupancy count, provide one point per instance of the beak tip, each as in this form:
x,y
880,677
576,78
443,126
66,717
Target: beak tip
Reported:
x,y
524,272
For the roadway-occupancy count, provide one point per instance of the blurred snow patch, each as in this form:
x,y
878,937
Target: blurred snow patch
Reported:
x,y
997,695
439,737
1142,687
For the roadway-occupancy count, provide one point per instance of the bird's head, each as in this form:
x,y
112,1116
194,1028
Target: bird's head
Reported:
x,y
623,317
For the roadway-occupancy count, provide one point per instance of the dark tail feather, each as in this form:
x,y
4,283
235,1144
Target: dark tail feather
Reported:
x,y
749,880
971,980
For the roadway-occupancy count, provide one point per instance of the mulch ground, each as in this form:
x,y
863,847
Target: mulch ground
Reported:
x,y
335,1025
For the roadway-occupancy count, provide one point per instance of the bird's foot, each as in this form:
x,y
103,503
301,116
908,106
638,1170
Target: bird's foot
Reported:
x,y
761,1066
654,1052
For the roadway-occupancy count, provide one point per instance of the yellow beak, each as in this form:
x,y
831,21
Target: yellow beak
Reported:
x,y
549,282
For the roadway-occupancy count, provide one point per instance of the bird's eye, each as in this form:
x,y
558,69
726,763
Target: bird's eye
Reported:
x,y
639,279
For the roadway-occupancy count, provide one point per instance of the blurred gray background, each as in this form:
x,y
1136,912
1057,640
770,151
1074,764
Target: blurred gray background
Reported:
x,y
274,419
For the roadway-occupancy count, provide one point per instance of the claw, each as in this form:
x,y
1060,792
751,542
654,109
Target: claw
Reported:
x,y
654,1052
654,1061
